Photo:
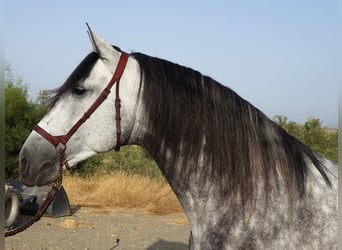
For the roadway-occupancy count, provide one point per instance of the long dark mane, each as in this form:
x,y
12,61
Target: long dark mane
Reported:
x,y
195,118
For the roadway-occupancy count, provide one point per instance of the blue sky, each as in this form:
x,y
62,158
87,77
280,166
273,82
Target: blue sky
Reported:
x,y
282,56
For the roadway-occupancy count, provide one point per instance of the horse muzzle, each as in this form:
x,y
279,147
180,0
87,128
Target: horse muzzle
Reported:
x,y
38,161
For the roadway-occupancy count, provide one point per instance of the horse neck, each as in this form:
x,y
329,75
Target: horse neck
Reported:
x,y
141,135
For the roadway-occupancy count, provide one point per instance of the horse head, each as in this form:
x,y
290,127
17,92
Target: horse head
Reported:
x,y
98,130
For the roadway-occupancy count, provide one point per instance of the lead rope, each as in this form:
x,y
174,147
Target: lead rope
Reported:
x,y
48,199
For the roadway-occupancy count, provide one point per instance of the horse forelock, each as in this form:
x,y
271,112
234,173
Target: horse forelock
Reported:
x,y
242,146
81,72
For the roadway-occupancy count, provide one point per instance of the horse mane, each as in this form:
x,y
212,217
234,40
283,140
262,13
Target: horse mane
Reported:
x,y
196,119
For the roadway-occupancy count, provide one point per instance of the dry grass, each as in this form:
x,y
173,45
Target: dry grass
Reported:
x,y
122,191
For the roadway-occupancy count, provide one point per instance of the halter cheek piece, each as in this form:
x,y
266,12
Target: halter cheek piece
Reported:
x,y
59,142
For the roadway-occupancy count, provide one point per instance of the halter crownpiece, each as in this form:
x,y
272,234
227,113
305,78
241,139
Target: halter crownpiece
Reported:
x,y
60,141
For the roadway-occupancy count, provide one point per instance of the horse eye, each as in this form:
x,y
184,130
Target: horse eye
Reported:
x,y
78,91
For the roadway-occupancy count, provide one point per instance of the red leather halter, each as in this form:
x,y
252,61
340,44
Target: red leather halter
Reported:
x,y
60,141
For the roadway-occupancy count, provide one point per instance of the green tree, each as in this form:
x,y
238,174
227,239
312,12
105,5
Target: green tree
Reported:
x,y
322,140
292,128
43,99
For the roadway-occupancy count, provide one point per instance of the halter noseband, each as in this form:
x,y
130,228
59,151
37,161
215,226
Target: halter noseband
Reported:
x,y
59,142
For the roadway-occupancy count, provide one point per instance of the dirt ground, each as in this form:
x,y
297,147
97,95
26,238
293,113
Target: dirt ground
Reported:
x,y
89,228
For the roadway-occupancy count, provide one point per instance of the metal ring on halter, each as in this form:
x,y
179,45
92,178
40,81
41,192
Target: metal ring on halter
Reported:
x,y
60,147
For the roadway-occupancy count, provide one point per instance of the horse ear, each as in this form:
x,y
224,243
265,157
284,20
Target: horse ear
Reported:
x,y
100,46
